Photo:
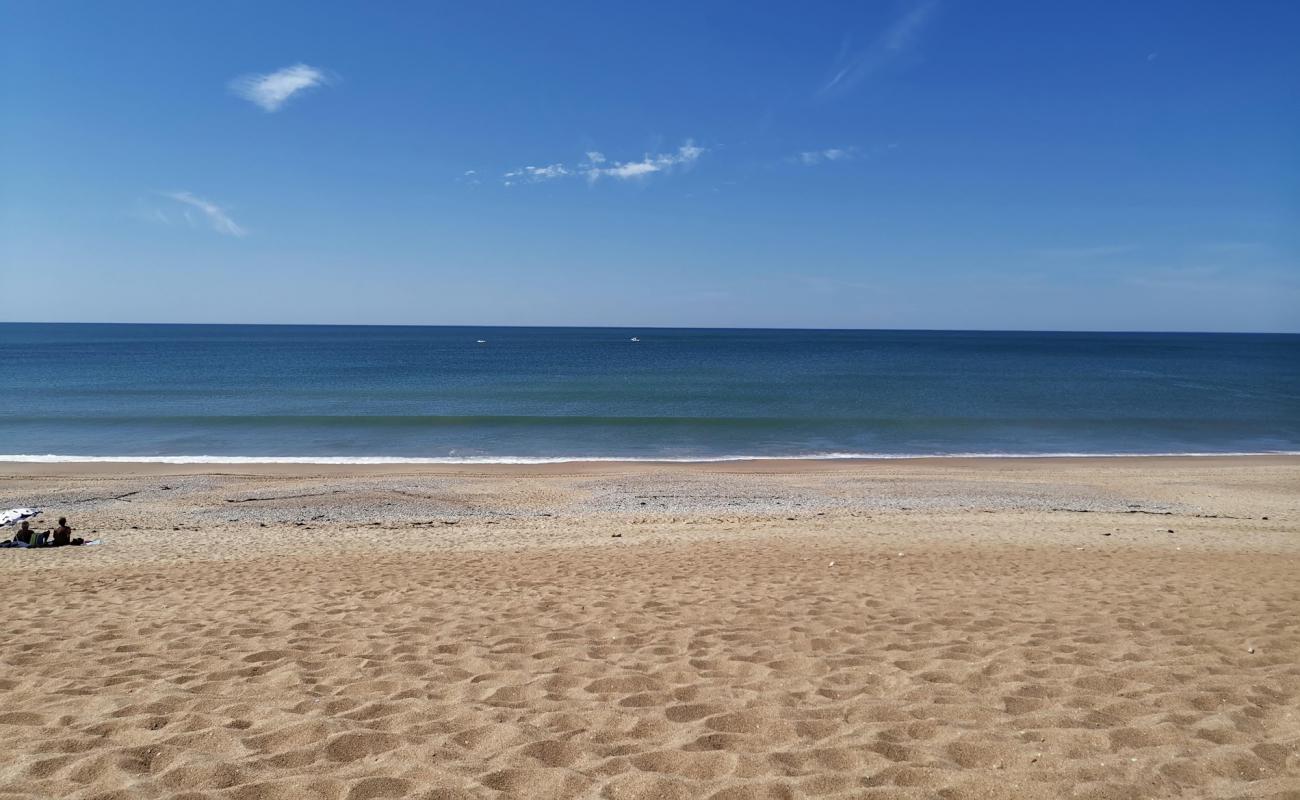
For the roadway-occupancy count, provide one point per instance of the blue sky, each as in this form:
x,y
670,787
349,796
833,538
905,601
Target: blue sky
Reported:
x,y
931,164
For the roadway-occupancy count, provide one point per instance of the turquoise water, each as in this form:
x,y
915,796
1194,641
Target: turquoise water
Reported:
x,y
231,392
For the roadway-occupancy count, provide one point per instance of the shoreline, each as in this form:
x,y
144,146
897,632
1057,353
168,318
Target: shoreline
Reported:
x,y
11,466
149,511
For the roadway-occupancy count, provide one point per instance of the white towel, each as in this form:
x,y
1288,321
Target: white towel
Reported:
x,y
15,515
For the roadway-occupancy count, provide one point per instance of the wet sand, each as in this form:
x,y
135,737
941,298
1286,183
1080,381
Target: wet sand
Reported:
x,y
1055,628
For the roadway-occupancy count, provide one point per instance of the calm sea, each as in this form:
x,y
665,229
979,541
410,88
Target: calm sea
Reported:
x,y
231,392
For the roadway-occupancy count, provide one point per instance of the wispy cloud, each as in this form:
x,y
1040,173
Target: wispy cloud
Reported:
x,y
684,156
536,174
895,42
273,90
828,155
812,158
215,216
597,166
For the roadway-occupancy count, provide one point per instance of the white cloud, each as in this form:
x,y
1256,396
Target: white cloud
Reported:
x,y
597,166
891,45
216,217
273,90
811,158
814,157
632,169
684,156
536,174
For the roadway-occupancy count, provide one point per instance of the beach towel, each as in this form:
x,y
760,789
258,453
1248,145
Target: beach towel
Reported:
x,y
15,515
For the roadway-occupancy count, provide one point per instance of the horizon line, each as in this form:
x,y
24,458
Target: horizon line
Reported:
x,y
658,327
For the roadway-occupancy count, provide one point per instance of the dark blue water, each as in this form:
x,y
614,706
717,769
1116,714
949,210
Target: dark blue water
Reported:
x,y
436,393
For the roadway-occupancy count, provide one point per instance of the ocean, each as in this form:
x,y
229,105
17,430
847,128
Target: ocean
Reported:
x,y
438,394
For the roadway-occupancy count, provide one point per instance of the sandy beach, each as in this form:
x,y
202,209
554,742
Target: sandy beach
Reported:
x,y
930,628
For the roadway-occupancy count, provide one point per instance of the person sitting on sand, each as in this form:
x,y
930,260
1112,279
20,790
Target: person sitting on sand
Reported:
x,y
59,537
22,539
26,537
63,535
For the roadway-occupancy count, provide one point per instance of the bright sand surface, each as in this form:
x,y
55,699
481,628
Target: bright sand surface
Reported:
x,y
1039,628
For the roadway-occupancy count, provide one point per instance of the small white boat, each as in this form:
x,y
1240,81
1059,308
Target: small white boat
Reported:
x,y
635,339
482,341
